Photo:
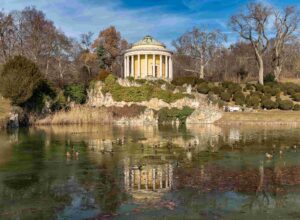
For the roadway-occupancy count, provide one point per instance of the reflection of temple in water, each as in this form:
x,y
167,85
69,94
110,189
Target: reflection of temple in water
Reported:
x,y
148,181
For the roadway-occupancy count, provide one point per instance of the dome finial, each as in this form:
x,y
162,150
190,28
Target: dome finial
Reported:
x,y
149,40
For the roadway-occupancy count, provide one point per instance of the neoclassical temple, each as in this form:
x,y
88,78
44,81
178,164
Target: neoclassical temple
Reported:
x,y
148,59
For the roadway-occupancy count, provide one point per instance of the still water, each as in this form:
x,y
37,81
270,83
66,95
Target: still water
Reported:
x,y
120,172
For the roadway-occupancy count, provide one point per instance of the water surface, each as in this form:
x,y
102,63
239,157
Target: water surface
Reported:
x,y
115,172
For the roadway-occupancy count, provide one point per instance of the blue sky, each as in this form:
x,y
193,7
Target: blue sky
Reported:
x,y
163,19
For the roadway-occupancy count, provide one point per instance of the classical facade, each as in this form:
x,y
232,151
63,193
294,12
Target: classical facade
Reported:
x,y
148,59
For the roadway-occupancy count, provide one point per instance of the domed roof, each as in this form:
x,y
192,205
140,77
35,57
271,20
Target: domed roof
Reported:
x,y
148,40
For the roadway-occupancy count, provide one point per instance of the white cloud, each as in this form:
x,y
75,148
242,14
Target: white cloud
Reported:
x,y
75,17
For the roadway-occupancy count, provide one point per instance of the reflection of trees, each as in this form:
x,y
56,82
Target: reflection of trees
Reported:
x,y
106,186
28,181
262,185
213,177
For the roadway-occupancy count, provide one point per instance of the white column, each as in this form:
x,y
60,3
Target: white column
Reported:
x,y
171,69
139,66
132,66
146,184
139,179
146,66
153,179
125,67
166,65
153,65
161,178
127,71
132,178
160,66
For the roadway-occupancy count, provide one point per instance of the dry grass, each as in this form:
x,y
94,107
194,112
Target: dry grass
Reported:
x,y
78,115
292,80
126,111
263,117
5,108
90,115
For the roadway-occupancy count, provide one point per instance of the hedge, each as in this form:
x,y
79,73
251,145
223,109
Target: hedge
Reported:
x,y
286,105
268,104
225,96
296,97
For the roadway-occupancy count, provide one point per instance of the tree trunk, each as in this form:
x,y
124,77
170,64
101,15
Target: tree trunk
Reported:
x,y
277,71
47,67
201,74
277,64
261,71
260,63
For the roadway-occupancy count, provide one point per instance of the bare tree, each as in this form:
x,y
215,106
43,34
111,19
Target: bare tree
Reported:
x,y
286,24
252,26
200,45
7,39
86,40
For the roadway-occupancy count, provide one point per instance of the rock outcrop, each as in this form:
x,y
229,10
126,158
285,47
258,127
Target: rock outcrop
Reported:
x,y
148,117
203,113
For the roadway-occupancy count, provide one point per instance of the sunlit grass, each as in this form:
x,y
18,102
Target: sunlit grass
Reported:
x,y
5,108
271,116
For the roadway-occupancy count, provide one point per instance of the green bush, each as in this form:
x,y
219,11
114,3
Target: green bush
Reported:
x,y
233,88
286,105
59,102
271,90
226,84
253,101
138,94
239,98
296,107
259,87
18,79
269,78
225,96
166,95
265,97
268,104
191,80
250,87
44,93
296,97
77,93
141,81
256,93
166,115
217,90
291,91
203,88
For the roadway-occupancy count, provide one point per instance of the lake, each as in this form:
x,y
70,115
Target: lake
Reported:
x,y
149,172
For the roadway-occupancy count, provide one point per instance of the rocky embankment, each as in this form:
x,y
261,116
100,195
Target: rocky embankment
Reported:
x,y
203,112
102,108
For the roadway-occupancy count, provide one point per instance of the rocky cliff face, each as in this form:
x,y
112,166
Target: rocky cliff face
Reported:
x,y
203,113
147,117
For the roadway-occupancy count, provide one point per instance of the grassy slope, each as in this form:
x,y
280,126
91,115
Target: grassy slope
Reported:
x,y
5,108
273,116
